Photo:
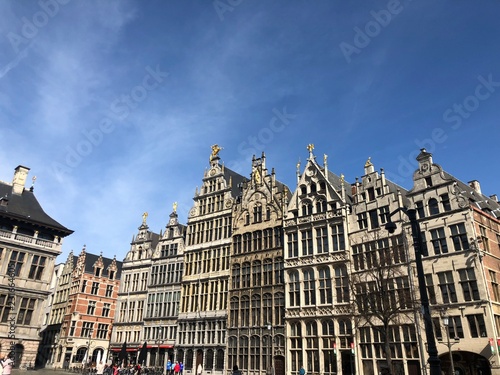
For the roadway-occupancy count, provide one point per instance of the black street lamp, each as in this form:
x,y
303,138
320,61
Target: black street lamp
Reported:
x,y
158,341
434,361
446,323
271,349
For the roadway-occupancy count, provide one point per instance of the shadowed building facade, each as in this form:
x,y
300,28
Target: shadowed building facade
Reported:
x,y
202,321
256,330
30,241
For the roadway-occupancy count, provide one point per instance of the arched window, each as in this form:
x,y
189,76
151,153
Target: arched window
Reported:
x,y
243,353
80,355
268,213
219,360
345,333
209,359
234,310
433,206
328,328
303,190
256,273
245,275
267,307
313,187
294,285
325,286
245,311
256,310
309,287
306,208
322,185
341,284
279,309
232,348
235,276
255,353
268,271
189,360
320,206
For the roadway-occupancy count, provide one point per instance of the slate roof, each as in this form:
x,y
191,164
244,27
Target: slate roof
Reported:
x,y
25,207
90,260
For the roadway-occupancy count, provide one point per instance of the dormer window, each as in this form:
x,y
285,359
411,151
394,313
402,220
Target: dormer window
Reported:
x,y
111,275
98,271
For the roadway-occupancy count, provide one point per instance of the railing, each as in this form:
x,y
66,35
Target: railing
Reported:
x,y
28,239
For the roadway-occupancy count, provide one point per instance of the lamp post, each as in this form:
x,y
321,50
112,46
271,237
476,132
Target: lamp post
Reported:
x,y
89,341
434,361
271,342
446,322
334,345
158,341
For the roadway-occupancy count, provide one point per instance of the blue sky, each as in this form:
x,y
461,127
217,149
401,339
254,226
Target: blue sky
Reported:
x,y
114,104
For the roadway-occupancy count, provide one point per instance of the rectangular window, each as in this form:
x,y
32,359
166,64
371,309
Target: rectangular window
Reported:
x,y
494,286
293,246
5,304
37,267
384,214
430,289
447,286
373,219
16,262
362,221
438,240
455,328
307,242
476,325
445,201
338,238
102,331
95,288
91,308
469,284
459,237
419,206
72,328
106,309
26,309
87,329
84,286
484,239
322,240
109,290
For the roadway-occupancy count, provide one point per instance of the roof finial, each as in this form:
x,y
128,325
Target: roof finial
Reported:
x,y
33,179
144,217
310,148
215,151
175,207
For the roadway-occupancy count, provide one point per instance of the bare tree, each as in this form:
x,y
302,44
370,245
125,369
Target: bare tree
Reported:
x,y
382,295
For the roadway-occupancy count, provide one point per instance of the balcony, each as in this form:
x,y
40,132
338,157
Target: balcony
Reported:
x,y
30,240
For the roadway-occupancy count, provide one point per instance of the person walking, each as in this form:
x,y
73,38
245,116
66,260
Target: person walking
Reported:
x,y
236,370
181,365
302,371
177,368
7,365
99,368
199,370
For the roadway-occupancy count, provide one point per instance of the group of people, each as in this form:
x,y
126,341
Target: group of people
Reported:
x,y
176,368
6,364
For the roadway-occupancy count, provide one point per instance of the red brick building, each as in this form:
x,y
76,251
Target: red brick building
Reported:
x,y
93,282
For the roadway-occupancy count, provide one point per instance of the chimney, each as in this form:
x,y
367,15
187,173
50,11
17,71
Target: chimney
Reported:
x,y
475,185
19,180
494,197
